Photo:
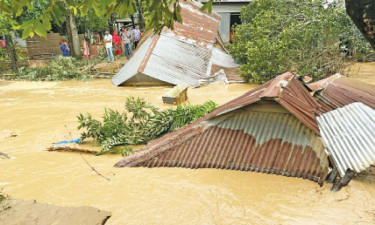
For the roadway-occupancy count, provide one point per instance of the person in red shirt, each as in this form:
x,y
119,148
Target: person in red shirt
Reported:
x,y
2,43
117,43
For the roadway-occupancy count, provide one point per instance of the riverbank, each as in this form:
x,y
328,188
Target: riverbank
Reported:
x,y
20,212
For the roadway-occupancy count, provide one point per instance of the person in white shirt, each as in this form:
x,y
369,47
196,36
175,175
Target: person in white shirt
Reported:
x,y
108,45
136,36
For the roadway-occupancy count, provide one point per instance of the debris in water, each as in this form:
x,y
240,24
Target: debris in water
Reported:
x,y
176,95
94,169
5,134
75,141
5,155
70,149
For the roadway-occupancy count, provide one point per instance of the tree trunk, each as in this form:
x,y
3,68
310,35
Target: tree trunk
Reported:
x,y
11,49
132,19
72,33
362,12
141,19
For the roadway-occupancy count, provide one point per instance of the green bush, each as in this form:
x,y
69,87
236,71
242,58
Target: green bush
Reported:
x,y
309,37
60,68
140,123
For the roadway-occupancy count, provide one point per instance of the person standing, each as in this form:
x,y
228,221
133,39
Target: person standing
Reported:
x,y
126,43
136,35
108,45
2,43
86,46
64,48
117,43
97,38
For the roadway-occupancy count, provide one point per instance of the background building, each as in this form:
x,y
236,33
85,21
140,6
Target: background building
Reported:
x,y
229,11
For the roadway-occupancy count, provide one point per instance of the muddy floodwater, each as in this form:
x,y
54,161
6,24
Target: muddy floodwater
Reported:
x,y
41,113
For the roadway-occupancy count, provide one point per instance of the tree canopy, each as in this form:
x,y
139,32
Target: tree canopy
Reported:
x,y
159,13
310,37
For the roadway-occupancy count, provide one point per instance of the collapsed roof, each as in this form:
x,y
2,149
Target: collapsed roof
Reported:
x,y
338,91
182,56
272,129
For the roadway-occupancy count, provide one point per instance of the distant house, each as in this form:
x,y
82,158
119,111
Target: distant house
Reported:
x,y
127,22
184,56
229,11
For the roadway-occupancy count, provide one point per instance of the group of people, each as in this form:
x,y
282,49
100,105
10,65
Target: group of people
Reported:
x,y
122,42
118,43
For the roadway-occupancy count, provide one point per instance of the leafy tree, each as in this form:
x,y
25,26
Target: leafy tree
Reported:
x,y
158,12
90,22
309,37
6,31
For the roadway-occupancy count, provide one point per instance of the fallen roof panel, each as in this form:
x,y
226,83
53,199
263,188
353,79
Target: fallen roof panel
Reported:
x,y
350,136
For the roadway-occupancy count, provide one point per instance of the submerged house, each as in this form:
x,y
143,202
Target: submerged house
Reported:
x,y
275,128
183,56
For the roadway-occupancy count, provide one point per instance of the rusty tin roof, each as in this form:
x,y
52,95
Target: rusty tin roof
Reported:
x,y
338,91
242,135
181,56
282,141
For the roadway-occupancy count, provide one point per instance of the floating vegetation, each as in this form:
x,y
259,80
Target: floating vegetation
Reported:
x,y
140,123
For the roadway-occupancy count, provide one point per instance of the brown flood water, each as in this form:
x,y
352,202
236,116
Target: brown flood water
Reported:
x,y
41,113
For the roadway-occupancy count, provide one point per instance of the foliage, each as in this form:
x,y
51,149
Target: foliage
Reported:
x,y
53,11
5,25
310,37
90,22
140,123
60,68
158,11
3,54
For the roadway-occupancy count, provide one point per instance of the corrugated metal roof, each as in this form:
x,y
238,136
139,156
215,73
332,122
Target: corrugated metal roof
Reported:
x,y
296,98
178,62
279,143
183,55
350,136
265,142
219,57
338,91
224,137
130,69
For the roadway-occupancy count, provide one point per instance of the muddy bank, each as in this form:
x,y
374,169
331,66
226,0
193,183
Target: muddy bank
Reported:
x,y
20,212
41,113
